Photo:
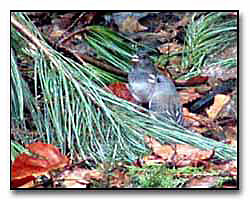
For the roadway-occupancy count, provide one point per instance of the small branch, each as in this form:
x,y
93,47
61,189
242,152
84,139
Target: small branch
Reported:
x,y
79,58
65,39
70,28
104,66
82,59
89,18
29,35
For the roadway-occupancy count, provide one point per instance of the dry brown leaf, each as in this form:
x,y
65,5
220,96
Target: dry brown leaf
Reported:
x,y
78,177
186,151
181,154
202,182
193,121
183,22
119,179
231,135
220,101
197,80
188,95
121,90
131,25
46,158
165,152
170,48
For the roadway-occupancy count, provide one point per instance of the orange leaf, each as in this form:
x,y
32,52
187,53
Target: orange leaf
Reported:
x,y
193,81
165,151
121,90
202,182
188,95
180,154
25,166
186,151
50,153
194,122
18,183
46,157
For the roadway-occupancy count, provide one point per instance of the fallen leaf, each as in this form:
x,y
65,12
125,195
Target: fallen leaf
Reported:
x,y
119,179
161,152
202,182
183,22
181,154
220,101
199,122
121,90
50,153
131,25
78,177
170,48
45,157
188,95
186,151
198,80
166,152
25,166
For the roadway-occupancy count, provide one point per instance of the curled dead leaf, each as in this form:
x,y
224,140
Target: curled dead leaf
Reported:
x,y
220,101
131,25
202,182
170,48
45,157
78,177
188,95
181,154
198,80
121,90
195,121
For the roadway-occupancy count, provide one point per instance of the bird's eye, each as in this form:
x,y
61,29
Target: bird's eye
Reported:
x,y
158,80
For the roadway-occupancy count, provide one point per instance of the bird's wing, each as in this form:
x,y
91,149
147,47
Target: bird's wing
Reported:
x,y
141,85
167,106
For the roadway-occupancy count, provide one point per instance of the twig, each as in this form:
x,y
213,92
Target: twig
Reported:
x,y
63,38
79,59
104,66
83,58
29,36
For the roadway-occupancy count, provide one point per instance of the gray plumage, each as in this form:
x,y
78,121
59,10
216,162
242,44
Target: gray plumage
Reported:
x,y
149,86
165,100
141,79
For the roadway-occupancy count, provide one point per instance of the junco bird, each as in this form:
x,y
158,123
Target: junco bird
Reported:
x,y
165,100
141,79
149,86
